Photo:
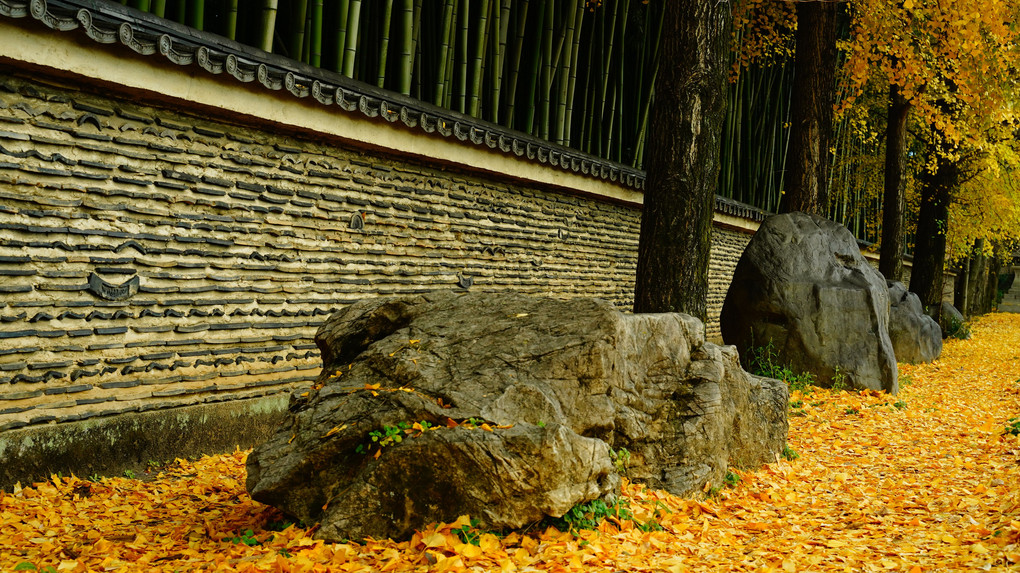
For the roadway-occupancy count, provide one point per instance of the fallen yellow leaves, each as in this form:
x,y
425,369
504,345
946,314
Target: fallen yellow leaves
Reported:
x,y
920,482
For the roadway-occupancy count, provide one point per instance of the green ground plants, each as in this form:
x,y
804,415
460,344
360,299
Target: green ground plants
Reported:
x,y
765,362
1012,427
588,516
956,328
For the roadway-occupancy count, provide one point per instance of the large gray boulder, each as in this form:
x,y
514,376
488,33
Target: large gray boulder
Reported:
x,y
803,286
916,337
557,385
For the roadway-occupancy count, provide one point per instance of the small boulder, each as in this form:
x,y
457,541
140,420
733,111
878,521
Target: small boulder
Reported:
x,y
916,337
803,286
508,408
955,322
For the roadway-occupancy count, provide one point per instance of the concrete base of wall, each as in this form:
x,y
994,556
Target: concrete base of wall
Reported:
x,y
113,444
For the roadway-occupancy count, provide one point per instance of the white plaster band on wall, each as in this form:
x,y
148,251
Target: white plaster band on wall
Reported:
x,y
185,87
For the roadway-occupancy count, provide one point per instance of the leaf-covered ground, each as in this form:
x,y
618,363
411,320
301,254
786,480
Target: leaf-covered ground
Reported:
x,y
923,481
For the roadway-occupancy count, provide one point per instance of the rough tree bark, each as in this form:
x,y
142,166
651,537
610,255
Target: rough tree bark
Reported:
x,y
927,277
890,262
683,158
814,88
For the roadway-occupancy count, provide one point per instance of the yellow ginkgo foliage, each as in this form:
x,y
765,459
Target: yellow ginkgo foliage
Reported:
x,y
963,53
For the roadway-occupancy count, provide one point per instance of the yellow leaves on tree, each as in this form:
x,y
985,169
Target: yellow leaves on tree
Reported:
x,y
762,32
954,62
933,50
986,207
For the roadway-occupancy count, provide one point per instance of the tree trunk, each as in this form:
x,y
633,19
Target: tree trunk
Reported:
x,y
927,277
992,293
814,88
683,158
994,271
890,262
961,291
976,280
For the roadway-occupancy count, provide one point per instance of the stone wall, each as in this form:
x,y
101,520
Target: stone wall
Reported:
x,y
727,246
152,260
164,273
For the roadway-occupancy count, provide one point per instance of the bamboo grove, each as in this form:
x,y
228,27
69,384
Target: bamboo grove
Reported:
x,y
575,74
579,73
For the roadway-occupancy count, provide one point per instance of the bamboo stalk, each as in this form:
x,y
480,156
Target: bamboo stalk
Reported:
x,y
728,164
451,63
522,20
645,114
639,148
478,63
159,8
444,53
462,55
182,12
578,104
415,37
406,45
423,21
299,13
269,10
590,81
752,172
196,14
648,73
315,47
610,121
502,24
551,95
232,20
595,112
351,48
384,42
306,46
571,88
620,91
608,57
565,71
547,67
340,35
536,73
143,5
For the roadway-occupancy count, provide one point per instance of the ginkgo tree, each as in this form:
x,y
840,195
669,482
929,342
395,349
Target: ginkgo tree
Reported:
x,y
945,72
813,96
683,159
949,65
